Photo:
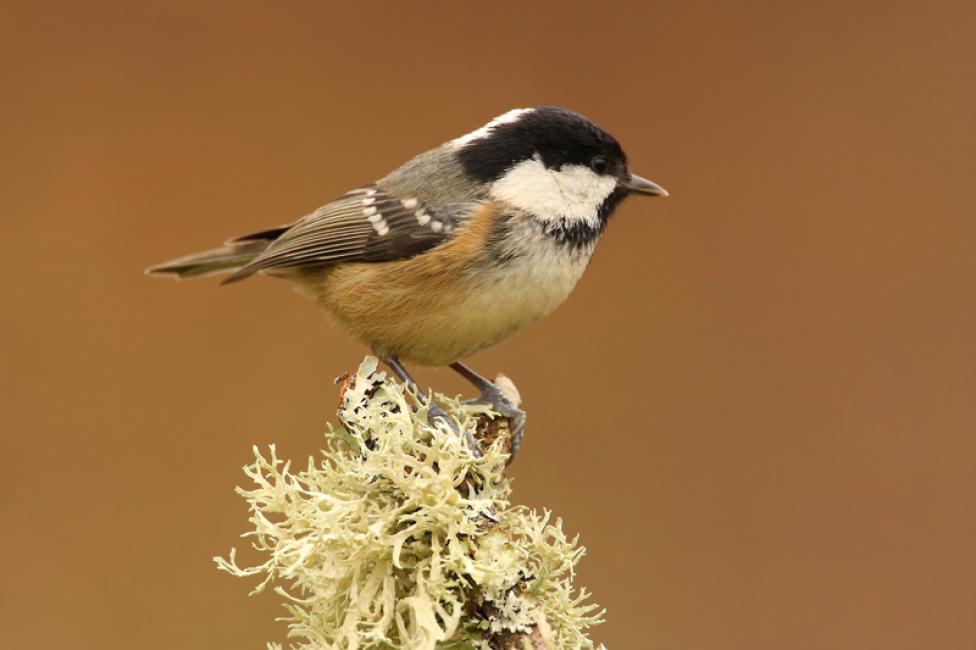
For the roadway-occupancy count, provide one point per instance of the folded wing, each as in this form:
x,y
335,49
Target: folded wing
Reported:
x,y
365,225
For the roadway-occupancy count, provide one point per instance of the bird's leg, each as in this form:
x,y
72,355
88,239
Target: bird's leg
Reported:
x,y
492,396
434,412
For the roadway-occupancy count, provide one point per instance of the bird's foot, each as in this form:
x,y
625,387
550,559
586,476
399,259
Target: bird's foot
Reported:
x,y
505,405
435,413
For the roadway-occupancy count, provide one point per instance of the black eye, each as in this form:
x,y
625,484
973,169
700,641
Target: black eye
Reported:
x,y
599,164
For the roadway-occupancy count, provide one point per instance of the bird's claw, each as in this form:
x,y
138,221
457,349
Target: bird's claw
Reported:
x,y
493,397
435,412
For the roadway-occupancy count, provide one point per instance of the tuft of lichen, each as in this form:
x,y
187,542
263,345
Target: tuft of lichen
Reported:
x,y
400,537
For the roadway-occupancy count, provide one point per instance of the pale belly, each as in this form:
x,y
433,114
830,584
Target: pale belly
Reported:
x,y
435,314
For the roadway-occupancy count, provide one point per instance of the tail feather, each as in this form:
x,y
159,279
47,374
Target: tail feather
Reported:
x,y
219,260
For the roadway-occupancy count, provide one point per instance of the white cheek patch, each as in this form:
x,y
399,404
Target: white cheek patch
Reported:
x,y
573,192
483,132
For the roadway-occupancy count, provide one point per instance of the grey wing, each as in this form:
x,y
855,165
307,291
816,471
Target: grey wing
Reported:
x,y
365,225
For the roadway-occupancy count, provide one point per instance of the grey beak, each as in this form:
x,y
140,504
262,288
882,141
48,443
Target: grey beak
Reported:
x,y
637,185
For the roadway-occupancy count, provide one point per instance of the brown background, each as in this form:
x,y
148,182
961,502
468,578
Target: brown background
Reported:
x,y
757,409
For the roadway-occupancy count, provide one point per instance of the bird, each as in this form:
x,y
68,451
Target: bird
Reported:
x,y
454,251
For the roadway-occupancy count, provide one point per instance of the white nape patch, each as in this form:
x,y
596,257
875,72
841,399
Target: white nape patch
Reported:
x,y
573,192
511,116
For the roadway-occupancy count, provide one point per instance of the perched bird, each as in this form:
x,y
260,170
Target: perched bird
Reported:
x,y
456,250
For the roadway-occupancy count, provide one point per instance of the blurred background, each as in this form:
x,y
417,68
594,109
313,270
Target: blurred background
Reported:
x,y
758,409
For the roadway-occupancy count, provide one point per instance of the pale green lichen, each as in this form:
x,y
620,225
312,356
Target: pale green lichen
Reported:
x,y
401,538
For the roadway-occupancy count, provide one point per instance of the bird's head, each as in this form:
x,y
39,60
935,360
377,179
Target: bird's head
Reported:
x,y
552,163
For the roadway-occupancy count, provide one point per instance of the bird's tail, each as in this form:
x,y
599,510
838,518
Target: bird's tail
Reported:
x,y
229,257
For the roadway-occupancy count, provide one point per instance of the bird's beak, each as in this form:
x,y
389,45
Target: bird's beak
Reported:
x,y
634,184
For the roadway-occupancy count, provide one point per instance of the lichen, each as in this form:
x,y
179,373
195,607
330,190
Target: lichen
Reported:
x,y
400,537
